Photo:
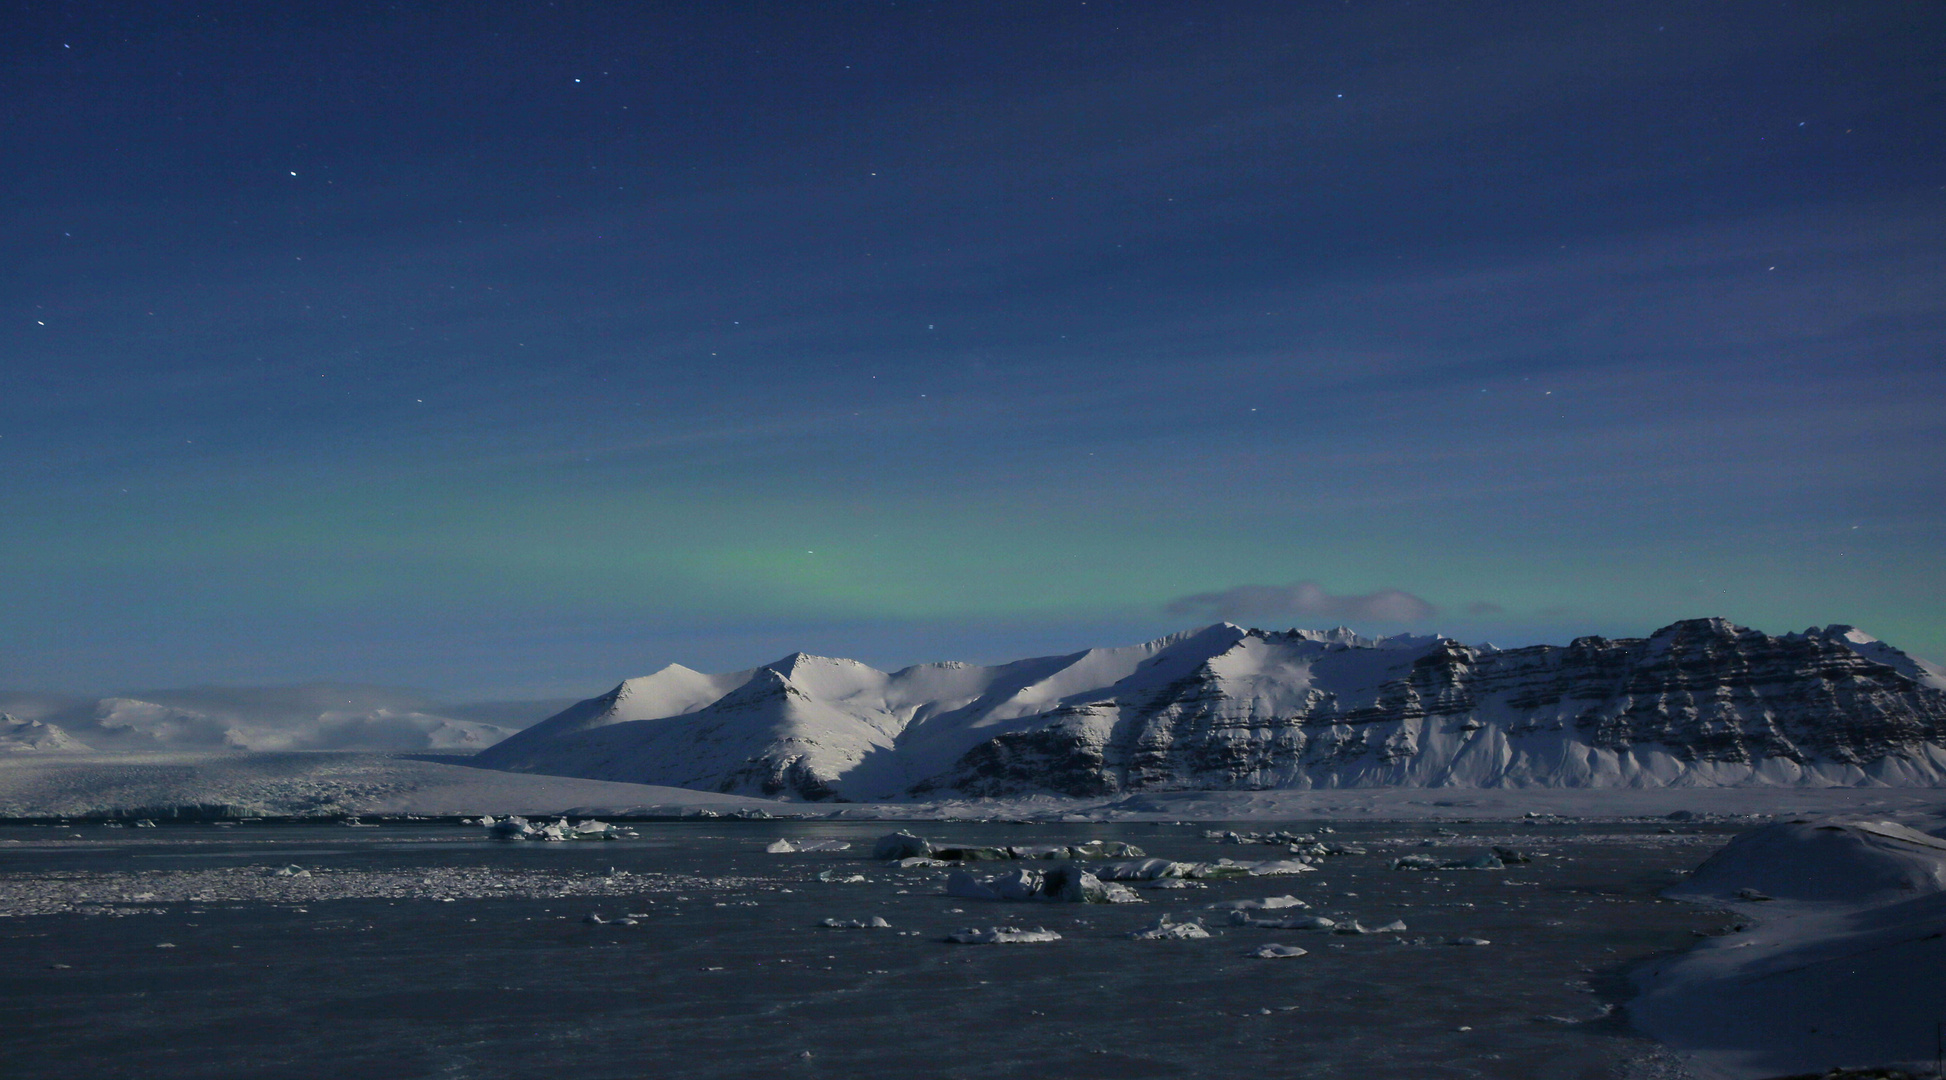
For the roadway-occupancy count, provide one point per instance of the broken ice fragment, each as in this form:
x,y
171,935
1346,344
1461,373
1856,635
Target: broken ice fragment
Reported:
x,y
1268,903
1483,861
1001,935
1288,922
873,923
901,845
1167,929
1276,952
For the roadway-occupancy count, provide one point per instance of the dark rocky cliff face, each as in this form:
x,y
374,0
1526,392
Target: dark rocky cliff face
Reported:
x,y
1699,692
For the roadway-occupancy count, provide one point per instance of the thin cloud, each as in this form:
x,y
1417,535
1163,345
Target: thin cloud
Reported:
x,y
1306,599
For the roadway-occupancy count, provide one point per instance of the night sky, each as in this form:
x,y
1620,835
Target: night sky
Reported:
x,y
512,348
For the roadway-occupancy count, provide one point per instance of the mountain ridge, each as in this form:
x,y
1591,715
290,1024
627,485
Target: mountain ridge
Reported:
x,y
1698,702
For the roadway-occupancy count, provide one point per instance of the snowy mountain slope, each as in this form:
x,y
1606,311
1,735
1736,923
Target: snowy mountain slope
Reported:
x,y
35,736
1698,703
314,717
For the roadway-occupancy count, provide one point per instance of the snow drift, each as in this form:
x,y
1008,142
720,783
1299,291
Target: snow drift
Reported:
x,y
1838,964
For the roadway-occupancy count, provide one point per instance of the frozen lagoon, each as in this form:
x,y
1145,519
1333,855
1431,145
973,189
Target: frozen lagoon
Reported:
x,y
430,950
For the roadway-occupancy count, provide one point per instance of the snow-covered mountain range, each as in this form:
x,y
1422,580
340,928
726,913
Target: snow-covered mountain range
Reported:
x,y
1700,702
314,717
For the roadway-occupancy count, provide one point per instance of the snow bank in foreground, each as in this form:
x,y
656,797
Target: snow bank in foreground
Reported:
x,y
1839,966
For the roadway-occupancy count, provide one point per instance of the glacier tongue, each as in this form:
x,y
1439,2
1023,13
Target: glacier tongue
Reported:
x,y
1701,702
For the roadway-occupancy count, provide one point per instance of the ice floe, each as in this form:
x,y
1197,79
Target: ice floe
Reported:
x,y
1484,861
1065,882
1001,935
806,847
1268,903
1287,922
1276,952
1167,928
901,845
876,922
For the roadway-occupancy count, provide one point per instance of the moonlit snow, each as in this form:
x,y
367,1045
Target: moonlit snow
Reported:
x,y
1838,960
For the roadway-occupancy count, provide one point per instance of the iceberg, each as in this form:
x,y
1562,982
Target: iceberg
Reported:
x,y
901,845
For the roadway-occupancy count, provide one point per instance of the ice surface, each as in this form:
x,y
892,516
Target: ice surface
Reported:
x,y
729,971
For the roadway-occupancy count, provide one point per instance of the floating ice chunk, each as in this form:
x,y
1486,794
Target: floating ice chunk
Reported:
x,y
973,854
592,830
292,870
1075,885
918,861
1276,867
1471,941
1170,883
1288,922
840,877
823,845
1268,903
962,884
1355,927
780,847
1065,882
901,845
1041,851
509,828
1105,849
1142,870
874,923
595,919
1483,861
1276,952
1001,935
1167,929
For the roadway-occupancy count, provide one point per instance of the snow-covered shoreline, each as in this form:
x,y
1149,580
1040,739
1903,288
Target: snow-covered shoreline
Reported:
x,y
1834,964
334,784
